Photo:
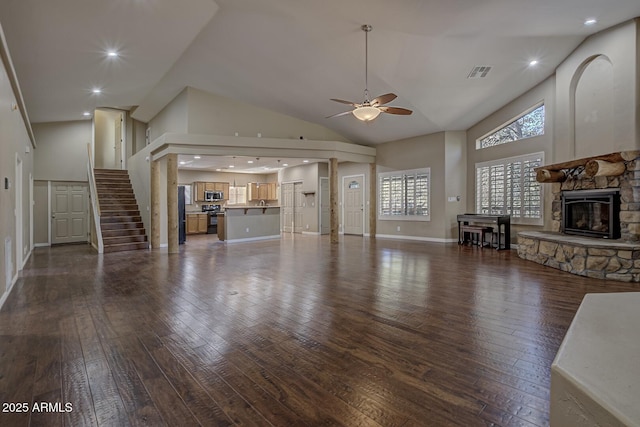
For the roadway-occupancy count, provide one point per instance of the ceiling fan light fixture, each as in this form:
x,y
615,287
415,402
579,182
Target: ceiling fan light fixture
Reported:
x,y
366,113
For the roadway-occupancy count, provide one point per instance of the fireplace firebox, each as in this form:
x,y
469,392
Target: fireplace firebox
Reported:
x,y
591,213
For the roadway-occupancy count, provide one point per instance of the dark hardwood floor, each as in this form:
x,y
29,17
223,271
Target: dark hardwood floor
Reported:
x,y
285,333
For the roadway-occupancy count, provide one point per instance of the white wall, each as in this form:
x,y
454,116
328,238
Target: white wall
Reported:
x,y
14,145
138,136
586,76
62,150
41,213
594,107
172,118
215,115
455,182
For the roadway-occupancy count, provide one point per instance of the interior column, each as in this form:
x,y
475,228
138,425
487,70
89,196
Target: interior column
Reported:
x,y
333,198
172,202
155,204
373,198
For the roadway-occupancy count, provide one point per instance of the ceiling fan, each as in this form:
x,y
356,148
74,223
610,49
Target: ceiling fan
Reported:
x,y
370,108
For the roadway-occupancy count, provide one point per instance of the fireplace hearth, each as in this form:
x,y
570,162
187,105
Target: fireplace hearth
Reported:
x,y
591,213
595,218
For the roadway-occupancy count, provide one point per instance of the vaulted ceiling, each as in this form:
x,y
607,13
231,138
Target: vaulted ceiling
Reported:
x,y
292,56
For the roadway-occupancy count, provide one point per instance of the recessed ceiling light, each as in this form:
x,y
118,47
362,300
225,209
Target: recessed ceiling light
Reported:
x,y
97,90
285,164
218,170
112,54
249,161
533,63
196,157
305,161
590,21
86,114
183,163
232,166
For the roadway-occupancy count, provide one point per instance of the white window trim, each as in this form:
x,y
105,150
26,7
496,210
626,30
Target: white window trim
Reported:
x,y
508,122
505,161
235,189
381,217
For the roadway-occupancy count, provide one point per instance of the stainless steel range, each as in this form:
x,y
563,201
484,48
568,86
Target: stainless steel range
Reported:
x,y
212,210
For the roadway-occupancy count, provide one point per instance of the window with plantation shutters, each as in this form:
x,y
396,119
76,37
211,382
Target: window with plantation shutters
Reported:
x,y
509,187
237,195
404,195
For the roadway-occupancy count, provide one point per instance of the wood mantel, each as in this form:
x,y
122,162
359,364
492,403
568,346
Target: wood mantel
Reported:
x,y
605,165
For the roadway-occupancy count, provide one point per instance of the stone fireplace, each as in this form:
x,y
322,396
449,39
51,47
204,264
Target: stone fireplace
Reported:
x,y
595,227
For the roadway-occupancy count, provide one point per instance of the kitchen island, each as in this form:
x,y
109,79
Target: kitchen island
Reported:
x,y
248,223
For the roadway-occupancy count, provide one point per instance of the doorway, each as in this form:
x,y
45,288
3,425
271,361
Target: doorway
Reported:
x,y
69,212
292,204
353,205
109,139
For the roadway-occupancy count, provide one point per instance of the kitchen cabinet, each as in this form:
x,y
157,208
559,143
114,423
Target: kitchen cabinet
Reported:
x,y
257,191
200,187
197,223
224,187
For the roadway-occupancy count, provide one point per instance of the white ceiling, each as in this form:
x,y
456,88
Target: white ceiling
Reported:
x,y
291,56
240,164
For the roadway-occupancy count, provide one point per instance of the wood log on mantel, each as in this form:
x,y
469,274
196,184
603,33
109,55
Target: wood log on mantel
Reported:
x,y
603,168
621,156
546,176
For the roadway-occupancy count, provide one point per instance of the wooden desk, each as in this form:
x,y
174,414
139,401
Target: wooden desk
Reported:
x,y
503,223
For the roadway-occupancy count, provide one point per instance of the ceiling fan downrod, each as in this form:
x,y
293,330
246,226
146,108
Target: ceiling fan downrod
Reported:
x,y
367,29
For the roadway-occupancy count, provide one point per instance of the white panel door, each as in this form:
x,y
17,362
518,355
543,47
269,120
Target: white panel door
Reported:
x,y
353,209
69,212
287,207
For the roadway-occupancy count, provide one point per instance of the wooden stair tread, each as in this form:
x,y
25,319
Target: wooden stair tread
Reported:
x,y
122,227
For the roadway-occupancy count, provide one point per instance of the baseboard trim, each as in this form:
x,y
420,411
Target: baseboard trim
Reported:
x,y
311,233
8,291
416,238
42,245
253,239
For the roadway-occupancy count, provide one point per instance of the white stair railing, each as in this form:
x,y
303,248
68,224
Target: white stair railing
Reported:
x,y
95,203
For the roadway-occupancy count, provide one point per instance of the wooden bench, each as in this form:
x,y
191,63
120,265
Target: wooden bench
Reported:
x,y
479,231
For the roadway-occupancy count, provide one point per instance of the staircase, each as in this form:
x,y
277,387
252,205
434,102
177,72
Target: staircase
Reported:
x,y
122,228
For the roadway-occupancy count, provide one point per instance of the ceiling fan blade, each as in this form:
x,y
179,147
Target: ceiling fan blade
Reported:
x,y
395,110
383,99
339,114
342,101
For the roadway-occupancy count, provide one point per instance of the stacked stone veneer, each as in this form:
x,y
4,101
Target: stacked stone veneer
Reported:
x,y
580,255
585,256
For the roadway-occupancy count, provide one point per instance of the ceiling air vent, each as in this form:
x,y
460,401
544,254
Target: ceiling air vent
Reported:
x,y
479,72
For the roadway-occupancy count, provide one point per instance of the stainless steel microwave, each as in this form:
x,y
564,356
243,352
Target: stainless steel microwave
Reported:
x,y
212,196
